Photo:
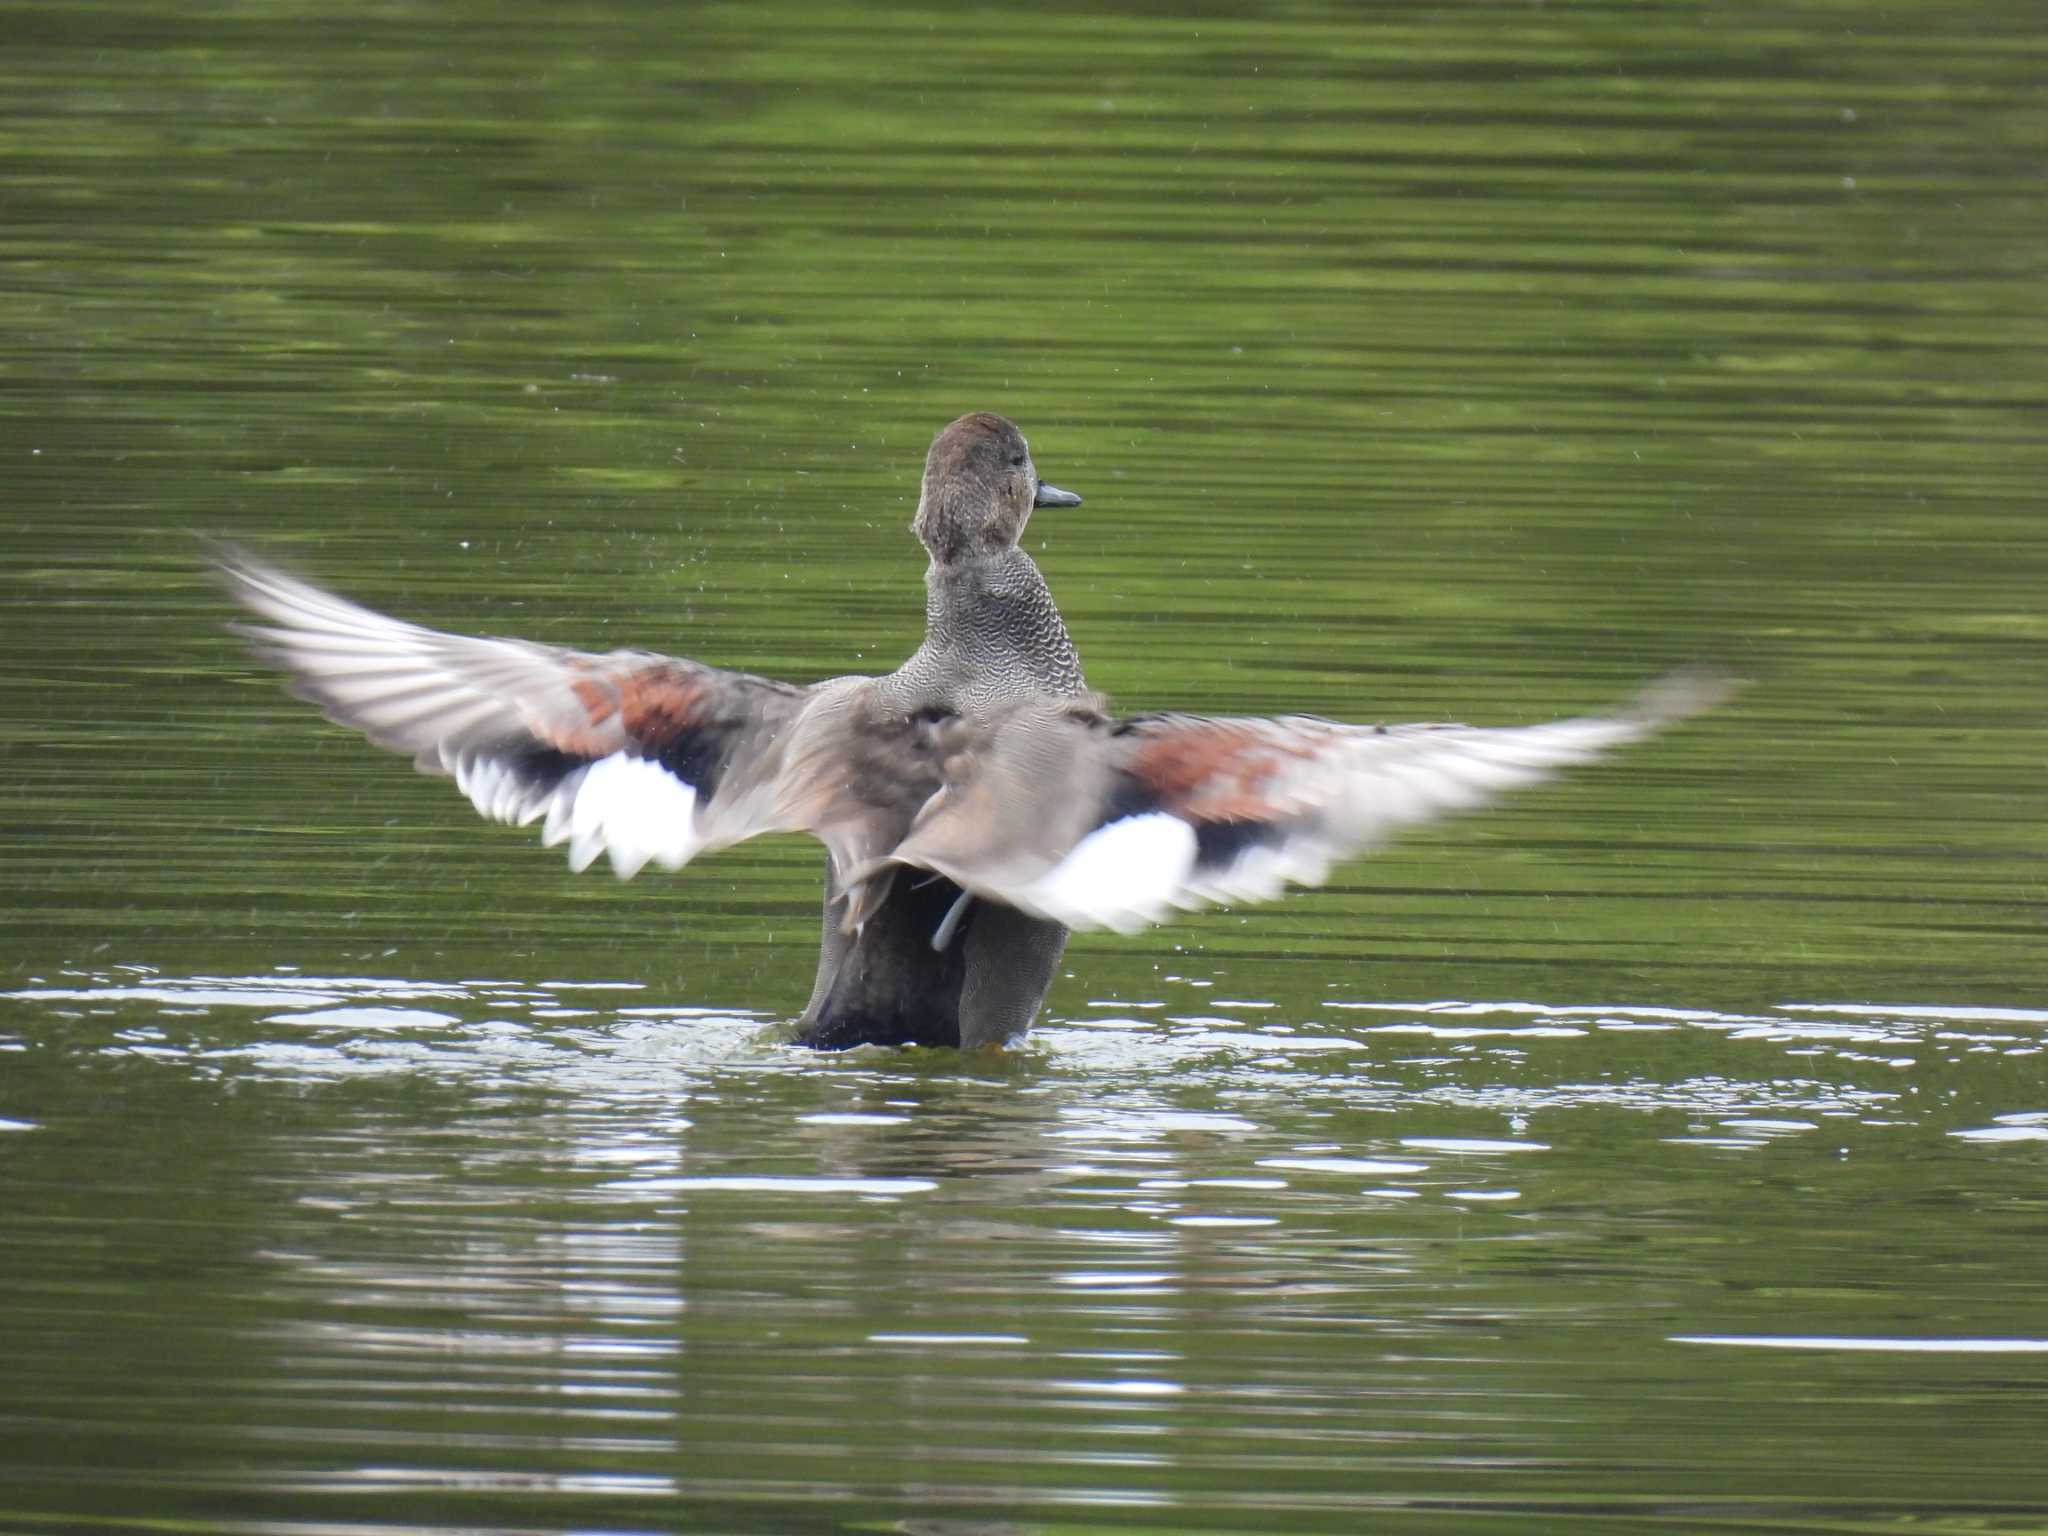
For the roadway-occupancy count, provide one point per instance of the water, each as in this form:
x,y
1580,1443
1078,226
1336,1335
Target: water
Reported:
x,y
1661,1152
500,1256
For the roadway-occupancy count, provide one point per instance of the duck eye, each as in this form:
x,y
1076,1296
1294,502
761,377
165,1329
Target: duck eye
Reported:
x,y
1016,461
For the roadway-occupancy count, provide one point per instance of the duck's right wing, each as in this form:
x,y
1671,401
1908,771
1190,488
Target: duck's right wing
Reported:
x,y
642,757
1072,816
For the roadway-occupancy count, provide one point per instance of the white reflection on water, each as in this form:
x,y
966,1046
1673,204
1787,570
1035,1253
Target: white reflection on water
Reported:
x,y
2029,1125
2035,1017
568,1037
362,1018
1891,1346
1362,1167
773,1184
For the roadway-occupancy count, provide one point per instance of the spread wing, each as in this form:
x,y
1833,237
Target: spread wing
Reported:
x,y
1097,823
638,756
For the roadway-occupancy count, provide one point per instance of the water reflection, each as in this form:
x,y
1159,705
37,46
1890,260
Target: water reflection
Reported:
x,y
484,1243
1874,1345
570,1038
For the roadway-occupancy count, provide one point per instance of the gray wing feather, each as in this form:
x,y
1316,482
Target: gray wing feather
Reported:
x,y
636,755
1096,823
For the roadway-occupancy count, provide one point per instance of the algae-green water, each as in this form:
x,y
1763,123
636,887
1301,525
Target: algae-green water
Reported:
x,y
1666,1150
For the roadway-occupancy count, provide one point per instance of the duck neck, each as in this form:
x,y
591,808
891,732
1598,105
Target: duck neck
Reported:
x,y
994,614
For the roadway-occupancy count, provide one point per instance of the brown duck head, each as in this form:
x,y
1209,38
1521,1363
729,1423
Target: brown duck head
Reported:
x,y
979,488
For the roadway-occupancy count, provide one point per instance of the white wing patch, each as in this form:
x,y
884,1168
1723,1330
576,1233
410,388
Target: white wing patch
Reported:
x,y
498,791
631,808
1260,873
1123,876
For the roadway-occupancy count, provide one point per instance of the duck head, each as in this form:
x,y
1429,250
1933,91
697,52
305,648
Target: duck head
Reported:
x,y
979,489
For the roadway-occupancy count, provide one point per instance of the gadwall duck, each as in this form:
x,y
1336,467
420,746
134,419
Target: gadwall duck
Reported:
x,y
975,804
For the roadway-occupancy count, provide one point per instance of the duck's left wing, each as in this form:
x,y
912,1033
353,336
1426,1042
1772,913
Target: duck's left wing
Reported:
x,y
642,757
1098,823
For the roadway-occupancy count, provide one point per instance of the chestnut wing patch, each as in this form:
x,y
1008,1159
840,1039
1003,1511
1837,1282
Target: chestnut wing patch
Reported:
x,y
641,757
1227,778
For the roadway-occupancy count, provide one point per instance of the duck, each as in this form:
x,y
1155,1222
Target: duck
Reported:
x,y
976,805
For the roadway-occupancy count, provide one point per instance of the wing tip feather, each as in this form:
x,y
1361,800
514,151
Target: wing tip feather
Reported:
x,y
1680,695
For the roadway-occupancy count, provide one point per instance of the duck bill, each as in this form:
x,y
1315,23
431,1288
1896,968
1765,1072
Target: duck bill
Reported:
x,y
1053,496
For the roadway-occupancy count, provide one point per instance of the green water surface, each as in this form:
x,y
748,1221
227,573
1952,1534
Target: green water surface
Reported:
x,y
1665,1151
